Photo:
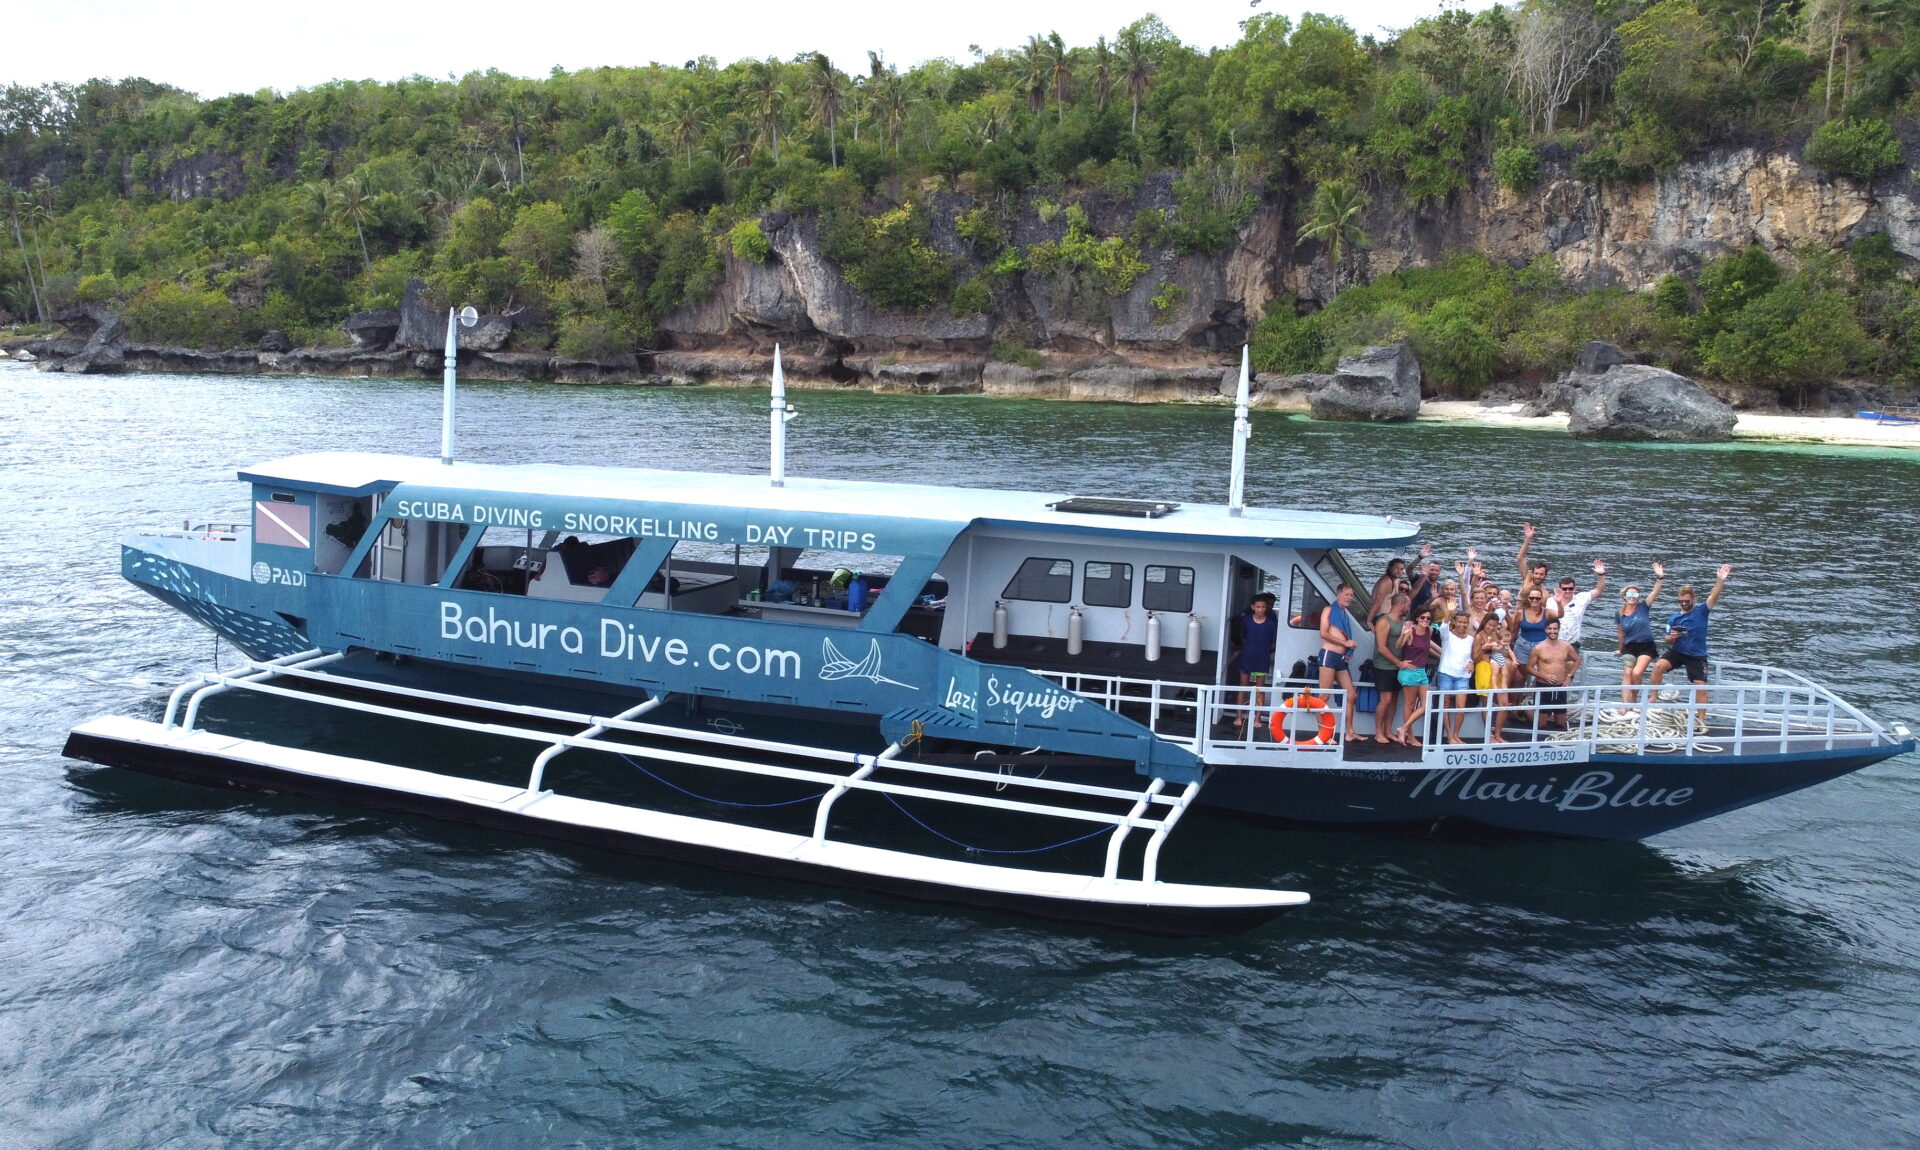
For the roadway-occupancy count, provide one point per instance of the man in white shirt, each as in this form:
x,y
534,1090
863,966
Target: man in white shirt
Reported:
x,y
1571,608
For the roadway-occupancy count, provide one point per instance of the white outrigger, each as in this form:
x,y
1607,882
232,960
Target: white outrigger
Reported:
x,y
791,676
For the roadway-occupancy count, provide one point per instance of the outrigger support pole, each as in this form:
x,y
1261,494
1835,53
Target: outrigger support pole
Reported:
x,y
780,411
1242,428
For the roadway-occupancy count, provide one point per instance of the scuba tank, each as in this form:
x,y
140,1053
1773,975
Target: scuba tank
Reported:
x,y
1076,631
1153,637
1194,646
999,626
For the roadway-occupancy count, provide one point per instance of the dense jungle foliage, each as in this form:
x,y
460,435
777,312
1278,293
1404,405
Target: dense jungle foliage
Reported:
x,y
605,198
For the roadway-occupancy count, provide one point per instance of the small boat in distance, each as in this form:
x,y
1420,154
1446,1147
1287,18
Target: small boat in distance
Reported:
x,y
877,684
1896,415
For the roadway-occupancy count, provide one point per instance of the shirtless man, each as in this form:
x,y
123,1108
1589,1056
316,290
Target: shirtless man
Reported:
x,y
1553,664
1337,629
1384,588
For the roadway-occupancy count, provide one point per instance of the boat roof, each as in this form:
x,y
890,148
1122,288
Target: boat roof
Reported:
x,y
365,473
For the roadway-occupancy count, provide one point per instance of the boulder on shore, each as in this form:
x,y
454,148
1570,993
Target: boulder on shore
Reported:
x,y
1634,401
372,330
275,340
1380,385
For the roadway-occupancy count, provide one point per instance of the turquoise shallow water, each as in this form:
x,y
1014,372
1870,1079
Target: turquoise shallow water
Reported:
x,y
191,968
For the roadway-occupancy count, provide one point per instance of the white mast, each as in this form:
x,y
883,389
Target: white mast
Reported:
x,y
465,317
1237,490
779,411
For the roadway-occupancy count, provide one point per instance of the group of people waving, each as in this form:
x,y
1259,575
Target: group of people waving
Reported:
x,y
1479,648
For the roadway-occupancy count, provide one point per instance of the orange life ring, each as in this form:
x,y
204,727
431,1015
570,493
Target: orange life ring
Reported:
x,y
1278,724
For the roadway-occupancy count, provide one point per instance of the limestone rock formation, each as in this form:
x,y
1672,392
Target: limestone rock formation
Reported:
x,y
275,341
1380,385
1633,401
102,351
372,330
423,322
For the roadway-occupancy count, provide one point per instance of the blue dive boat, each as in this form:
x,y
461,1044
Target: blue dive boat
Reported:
x,y
1013,657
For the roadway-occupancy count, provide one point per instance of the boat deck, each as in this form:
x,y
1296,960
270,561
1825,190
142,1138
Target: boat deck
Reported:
x,y
1746,712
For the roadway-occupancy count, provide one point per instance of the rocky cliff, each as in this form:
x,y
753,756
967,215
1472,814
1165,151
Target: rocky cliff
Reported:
x,y
1624,233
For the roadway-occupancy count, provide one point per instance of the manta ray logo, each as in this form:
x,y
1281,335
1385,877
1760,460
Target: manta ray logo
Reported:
x,y
835,666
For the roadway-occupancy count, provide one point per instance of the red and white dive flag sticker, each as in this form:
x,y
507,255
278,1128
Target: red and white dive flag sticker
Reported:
x,y
283,524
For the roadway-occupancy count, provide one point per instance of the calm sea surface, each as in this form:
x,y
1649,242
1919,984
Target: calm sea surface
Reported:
x,y
181,967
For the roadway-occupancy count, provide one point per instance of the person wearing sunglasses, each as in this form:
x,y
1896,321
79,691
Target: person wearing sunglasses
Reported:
x,y
1635,623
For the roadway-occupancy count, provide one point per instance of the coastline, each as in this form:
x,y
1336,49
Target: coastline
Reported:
x,y
1751,427
1757,428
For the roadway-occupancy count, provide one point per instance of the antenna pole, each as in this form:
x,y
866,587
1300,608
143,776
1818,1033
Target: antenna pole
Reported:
x,y
1242,427
447,387
778,413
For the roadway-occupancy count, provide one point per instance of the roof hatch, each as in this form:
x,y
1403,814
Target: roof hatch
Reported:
x,y
1099,505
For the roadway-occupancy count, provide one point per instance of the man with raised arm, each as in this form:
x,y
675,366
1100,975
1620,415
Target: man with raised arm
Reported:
x,y
1687,644
1571,608
1337,629
1531,575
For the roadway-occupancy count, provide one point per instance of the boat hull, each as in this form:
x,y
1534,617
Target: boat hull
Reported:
x,y
1608,797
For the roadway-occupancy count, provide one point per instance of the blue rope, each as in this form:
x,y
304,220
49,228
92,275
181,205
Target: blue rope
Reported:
x,y
722,802
989,850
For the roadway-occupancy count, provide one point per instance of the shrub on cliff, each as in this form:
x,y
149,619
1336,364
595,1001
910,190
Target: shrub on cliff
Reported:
x,y
1518,168
888,257
1086,271
749,242
1859,148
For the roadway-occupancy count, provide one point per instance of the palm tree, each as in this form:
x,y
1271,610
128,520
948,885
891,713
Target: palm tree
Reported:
x,y
1334,220
1136,68
892,102
16,198
349,200
1102,72
765,98
1033,73
682,121
1059,61
823,88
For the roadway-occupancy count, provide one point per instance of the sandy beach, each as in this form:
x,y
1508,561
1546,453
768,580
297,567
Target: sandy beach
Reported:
x,y
1752,426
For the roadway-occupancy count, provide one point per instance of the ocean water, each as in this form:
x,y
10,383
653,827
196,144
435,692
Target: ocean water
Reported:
x,y
186,967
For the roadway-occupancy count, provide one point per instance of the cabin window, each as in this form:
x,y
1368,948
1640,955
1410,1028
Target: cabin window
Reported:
x,y
1107,584
416,550
821,578
1168,589
1042,581
1305,603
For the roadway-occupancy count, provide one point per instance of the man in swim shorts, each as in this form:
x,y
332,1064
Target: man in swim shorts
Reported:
x,y
1687,643
1552,664
1337,629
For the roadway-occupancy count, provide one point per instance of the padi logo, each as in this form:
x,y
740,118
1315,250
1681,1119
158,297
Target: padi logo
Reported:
x,y
284,576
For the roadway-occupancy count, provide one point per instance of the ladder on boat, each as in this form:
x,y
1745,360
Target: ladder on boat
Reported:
x,y
180,747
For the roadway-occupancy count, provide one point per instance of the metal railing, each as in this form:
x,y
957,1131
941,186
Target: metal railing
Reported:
x,y
1747,710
